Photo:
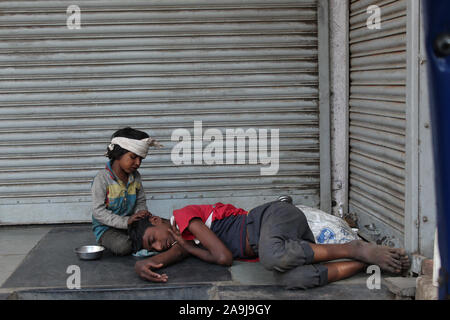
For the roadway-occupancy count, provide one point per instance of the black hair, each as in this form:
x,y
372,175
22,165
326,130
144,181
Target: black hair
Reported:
x,y
136,232
117,152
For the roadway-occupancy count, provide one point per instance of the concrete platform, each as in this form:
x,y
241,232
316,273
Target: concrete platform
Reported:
x,y
42,274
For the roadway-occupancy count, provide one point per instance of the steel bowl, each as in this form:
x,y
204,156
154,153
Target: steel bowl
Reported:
x,y
90,252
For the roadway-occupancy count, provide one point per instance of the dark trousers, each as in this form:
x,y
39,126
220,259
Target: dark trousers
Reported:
x,y
116,241
284,247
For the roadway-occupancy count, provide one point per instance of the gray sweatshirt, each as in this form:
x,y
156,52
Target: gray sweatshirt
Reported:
x,y
113,202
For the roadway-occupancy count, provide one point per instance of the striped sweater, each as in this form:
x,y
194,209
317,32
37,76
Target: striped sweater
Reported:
x,y
113,201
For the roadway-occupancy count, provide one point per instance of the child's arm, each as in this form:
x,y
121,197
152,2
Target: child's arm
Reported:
x,y
214,250
100,212
144,267
105,216
141,201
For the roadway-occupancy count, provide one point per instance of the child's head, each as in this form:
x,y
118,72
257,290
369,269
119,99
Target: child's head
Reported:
x,y
150,233
115,151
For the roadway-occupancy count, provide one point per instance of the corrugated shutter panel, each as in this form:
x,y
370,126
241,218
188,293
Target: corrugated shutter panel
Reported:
x,y
156,66
378,120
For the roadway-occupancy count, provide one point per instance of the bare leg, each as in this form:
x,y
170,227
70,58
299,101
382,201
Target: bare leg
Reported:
x,y
329,252
343,269
389,259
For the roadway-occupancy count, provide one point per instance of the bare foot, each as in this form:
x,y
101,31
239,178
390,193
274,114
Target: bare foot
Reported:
x,y
388,259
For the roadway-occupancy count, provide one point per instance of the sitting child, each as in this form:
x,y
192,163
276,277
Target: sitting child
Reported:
x,y
276,232
118,197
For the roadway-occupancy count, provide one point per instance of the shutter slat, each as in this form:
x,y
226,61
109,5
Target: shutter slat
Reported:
x,y
156,66
377,115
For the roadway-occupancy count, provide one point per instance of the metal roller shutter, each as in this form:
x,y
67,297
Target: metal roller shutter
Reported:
x,y
156,66
377,124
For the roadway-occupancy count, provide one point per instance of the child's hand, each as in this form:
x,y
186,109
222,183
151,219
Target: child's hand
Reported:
x,y
145,212
144,269
138,216
173,230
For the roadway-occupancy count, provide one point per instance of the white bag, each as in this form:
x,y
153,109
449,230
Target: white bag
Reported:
x,y
328,229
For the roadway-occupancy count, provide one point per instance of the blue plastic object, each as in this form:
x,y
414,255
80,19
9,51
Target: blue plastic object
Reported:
x,y
437,29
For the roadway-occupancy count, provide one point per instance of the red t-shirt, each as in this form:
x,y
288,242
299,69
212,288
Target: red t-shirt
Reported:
x,y
219,211
226,221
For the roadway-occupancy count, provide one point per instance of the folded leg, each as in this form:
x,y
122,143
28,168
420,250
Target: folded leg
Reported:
x,y
285,247
303,277
116,241
285,238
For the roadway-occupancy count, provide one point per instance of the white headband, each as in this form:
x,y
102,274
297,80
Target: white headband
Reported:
x,y
138,147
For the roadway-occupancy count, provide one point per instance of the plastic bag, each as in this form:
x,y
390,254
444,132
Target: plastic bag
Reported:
x,y
328,229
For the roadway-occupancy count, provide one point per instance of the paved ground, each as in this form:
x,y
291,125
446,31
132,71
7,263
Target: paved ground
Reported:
x,y
15,244
34,261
